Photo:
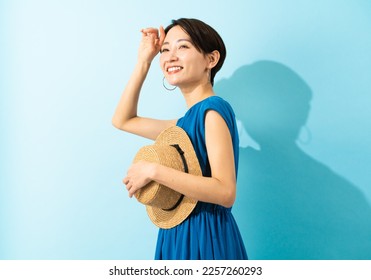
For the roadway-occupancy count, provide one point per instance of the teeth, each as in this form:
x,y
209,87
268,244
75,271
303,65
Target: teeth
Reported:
x,y
174,68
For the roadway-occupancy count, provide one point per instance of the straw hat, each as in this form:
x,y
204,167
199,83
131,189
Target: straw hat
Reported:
x,y
172,148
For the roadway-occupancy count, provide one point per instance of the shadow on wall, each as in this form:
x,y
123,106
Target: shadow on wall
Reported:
x,y
289,205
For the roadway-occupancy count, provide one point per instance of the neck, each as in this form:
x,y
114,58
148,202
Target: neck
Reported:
x,y
196,94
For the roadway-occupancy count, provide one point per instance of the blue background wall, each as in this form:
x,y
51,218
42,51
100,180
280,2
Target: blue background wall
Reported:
x,y
297,74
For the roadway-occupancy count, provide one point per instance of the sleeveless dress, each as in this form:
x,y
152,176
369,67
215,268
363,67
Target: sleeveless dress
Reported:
x,y
210,232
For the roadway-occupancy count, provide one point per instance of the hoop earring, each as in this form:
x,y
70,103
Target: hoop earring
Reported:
x,y
169,89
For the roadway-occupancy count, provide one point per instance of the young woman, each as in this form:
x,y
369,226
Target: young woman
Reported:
x,y
191,53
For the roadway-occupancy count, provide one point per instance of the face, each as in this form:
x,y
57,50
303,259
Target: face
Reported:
x,y
182,64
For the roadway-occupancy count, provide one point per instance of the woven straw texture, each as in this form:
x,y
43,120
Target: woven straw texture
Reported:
x,y
157,197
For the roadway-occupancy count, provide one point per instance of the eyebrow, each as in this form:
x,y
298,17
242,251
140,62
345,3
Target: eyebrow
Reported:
x,y
177,41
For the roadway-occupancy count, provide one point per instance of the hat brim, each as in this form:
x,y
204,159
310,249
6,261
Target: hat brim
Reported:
x,y
170,218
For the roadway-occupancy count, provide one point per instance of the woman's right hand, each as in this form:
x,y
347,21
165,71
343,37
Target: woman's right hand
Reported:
x,y
150,45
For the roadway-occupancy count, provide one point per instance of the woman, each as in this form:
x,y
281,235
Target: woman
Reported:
x,y
192,53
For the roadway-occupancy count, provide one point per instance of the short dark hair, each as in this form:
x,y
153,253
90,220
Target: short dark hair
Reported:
x,y
205,39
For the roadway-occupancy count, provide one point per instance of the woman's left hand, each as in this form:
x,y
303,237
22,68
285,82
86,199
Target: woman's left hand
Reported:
x,y
138,175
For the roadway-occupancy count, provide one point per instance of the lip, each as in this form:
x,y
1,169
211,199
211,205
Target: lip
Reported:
x,y
173,69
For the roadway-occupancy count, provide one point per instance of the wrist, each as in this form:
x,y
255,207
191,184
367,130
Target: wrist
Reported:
x,y
144,63
153,171
143,66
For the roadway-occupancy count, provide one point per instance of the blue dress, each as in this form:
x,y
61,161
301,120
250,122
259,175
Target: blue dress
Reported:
x,y
210,232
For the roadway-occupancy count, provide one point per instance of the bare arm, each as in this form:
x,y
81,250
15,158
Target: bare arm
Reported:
x,y
126,116
219,189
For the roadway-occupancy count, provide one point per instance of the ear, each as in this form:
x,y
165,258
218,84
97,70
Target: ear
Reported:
x,y
213,59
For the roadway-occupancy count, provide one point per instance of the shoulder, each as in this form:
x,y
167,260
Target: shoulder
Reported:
x,y
216,101
218,104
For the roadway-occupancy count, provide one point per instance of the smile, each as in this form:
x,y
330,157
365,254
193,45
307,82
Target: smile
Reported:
x,y
174,69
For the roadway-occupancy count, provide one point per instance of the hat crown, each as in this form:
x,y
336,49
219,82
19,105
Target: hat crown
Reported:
x,y
154,194
165,207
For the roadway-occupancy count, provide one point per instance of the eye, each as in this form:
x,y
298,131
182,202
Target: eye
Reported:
x,y
164,50
183,47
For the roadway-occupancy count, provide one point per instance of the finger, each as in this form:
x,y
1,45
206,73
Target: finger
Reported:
x,y
131,192
128,187
149,31
162,35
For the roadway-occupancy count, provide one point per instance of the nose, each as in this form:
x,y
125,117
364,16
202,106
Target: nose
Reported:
x,y
173,56
169,57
